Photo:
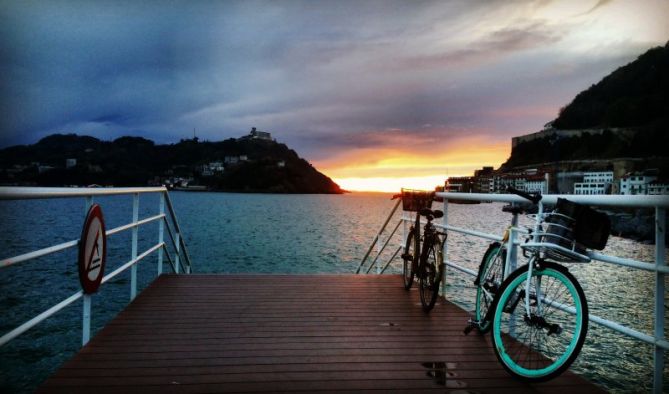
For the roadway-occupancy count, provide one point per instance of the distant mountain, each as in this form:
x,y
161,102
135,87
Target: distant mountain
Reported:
x,y
253,165
625,115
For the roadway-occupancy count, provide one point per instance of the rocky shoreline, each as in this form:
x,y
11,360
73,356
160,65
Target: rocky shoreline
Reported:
x,y
637,224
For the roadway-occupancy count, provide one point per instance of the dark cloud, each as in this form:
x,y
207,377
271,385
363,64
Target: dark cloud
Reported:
x,y
321,76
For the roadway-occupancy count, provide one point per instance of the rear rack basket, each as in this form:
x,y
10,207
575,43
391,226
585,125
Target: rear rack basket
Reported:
x,y
415,200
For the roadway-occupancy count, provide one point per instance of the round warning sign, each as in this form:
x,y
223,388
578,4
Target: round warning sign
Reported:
x,y
92,250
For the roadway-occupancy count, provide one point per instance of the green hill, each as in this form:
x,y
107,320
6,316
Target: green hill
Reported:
x,y
625,115
266,166
636,94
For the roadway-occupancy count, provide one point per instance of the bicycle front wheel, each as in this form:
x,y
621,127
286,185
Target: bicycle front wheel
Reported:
x,y
430,276
490,280
410,253
542,344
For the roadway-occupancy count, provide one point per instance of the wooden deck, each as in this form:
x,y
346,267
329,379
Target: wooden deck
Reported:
x,y
275,333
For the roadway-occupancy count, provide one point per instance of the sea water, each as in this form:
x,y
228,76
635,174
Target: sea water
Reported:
x,y
293,234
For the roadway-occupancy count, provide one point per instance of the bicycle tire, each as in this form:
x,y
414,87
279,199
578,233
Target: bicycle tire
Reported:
x,y
408,257
430,275
534,355
490,280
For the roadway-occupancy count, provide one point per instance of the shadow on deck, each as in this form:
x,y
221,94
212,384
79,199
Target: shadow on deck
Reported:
x,y
274,333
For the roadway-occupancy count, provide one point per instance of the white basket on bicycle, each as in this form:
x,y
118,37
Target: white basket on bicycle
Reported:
x,y
570,229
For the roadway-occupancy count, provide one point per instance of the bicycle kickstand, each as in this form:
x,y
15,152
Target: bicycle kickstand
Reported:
x,y
471,324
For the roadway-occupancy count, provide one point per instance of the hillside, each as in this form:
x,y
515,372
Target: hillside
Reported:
x,y
636,94
625,115
265,165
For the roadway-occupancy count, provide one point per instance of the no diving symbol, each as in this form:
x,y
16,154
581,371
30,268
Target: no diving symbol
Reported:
x,y
92,250
95,259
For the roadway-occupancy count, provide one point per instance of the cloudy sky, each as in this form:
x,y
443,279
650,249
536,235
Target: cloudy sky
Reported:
x,y
376,94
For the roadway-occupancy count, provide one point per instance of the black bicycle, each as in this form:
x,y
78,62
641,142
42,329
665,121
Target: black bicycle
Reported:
x,y
423,255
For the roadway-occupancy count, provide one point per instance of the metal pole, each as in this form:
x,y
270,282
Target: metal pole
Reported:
x,y
86,324
135,232
86,313
161,231
444,249
658,361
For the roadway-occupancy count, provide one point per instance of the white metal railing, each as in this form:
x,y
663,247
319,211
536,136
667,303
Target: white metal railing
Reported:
x,y
166,221
659,266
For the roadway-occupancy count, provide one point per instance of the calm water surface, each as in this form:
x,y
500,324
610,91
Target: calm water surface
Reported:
x,y
298,234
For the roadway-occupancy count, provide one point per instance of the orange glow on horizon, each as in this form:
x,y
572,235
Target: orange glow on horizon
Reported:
x,y
388,169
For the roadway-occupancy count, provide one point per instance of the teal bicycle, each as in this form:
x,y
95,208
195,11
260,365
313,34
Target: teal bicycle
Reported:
x,y
538,315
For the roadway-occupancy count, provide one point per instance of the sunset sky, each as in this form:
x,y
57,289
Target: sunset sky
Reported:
x,y
375,94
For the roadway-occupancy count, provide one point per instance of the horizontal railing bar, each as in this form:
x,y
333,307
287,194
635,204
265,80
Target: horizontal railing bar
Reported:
x,y
635,201
39,318
611,324
470,232
460,268
69,244
132,262
23,193
627,262
38,253
135,224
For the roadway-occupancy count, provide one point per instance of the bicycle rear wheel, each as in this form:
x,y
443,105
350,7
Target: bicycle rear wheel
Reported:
x,y
430,276
408,256
544,344
490,280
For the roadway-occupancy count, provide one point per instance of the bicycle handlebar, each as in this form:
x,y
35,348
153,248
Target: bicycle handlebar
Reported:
x,y
534,198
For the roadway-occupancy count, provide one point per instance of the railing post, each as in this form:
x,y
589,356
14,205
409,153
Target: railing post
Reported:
x,y
161,231
660,222
444,249
176,258
135,232
86,313
86,323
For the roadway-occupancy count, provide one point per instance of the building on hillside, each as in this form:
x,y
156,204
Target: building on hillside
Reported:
x,y
483,180
216,166
69,163
460,184
231,159
536,184
637,183
595,182
658,187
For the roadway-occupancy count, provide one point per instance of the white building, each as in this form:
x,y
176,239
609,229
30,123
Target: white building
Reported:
x,y
536,185
594,182
216,166
598,177
231,159
636,183
658,187
69,163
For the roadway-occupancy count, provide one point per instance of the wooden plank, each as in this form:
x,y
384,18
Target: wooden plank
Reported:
x,y
285,333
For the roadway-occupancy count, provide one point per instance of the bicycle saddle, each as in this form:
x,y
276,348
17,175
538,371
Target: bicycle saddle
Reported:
x,y
513,209
436,214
